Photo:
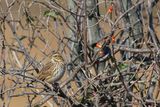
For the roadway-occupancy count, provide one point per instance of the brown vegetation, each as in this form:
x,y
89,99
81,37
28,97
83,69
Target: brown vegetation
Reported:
x,y
111,50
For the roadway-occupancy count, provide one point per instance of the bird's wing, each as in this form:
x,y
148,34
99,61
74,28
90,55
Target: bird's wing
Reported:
x,y
46,71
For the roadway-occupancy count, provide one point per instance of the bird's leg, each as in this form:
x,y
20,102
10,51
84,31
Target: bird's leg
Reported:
x,y
48,87
60,93
55,99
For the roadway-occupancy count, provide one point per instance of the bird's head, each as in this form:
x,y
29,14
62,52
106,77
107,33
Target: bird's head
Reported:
x,y
56,57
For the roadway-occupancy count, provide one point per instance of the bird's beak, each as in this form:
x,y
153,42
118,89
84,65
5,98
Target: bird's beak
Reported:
x,y
52,52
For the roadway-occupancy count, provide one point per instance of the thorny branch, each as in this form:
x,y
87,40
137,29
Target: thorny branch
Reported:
x,y
132,64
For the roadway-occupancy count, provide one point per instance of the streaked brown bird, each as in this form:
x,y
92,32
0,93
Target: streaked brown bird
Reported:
x,y
53,70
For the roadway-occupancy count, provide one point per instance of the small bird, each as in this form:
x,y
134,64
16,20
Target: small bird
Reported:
x,y
53,70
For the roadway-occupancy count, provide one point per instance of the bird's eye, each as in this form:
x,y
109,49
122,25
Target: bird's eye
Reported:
x,y
57,57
